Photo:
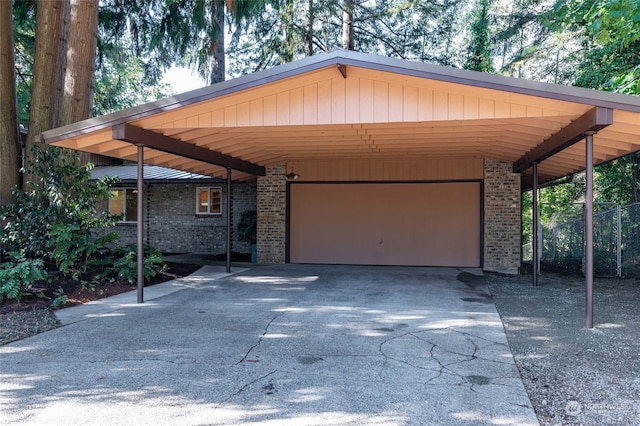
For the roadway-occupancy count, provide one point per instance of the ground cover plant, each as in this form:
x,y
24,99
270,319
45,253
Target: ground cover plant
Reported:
x,y
53,239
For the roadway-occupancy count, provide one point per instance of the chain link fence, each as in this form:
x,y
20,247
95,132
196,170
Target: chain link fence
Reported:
x,y
630,240
616,239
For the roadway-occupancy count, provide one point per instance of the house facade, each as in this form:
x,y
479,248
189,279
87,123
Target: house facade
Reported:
x,y
183,212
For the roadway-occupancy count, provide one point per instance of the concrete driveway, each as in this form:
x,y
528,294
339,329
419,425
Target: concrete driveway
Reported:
x,y
286,344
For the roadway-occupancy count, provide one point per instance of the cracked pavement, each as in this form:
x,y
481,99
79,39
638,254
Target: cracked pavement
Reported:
x,y
282,344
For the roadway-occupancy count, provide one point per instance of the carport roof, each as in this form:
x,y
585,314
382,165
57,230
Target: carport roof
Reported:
x,y
350,105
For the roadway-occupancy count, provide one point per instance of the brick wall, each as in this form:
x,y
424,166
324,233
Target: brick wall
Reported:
x,y
502,217
171,223
271,201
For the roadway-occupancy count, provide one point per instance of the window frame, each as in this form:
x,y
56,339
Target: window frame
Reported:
x,y
210,190
126,189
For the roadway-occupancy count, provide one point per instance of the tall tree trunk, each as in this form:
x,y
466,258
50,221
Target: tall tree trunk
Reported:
x,y
218,63
9,136
52,19
347,25
308,38
80,74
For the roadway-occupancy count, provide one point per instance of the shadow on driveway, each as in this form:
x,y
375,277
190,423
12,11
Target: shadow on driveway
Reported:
x,y
285,344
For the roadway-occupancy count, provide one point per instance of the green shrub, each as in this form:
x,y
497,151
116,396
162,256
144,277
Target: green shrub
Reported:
x,y
53,225
18,276
124,263
59,298
58,211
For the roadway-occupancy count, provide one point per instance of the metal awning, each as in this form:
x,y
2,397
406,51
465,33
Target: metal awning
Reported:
x,y
127,173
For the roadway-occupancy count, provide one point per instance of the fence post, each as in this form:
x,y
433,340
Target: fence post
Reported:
x,y
554,243
535,254
583,240
619,239
540,243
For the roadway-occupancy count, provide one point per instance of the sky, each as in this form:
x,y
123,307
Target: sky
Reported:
x,y
182,80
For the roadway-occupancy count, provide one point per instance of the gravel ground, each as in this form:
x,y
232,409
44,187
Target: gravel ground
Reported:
x,y
574,376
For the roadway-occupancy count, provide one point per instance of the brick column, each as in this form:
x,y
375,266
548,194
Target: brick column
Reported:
x,y
502,218
271,215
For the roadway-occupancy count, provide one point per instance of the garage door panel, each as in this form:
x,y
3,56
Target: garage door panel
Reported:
x,y
385,223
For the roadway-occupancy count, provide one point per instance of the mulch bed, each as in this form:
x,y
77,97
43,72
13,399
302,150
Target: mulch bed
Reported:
x,y
84,289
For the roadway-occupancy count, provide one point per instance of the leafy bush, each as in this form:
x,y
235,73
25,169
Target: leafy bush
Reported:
x,y
18,276
72,250
124,265
53,220
59,298
53,224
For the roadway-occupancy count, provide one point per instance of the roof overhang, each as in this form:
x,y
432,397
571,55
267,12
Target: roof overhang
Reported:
x,y
349,105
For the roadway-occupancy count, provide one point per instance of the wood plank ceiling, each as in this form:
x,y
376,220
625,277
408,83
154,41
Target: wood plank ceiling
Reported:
x,y
383,108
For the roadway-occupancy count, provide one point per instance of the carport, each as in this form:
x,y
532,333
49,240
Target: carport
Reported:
x,y
367,147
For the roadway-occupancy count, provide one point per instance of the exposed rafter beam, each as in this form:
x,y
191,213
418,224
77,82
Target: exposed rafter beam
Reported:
x,y
593,120
343,70
136,135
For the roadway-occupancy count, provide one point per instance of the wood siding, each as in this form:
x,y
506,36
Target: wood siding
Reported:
x,y
365,96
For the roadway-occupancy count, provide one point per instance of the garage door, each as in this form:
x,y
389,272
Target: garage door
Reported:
x,y
427,224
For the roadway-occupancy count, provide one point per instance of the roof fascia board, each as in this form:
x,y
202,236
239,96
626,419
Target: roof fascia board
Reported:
x,y
136,135
593,120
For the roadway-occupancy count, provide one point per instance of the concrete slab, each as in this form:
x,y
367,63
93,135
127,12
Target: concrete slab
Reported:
x,y
110,305
286,344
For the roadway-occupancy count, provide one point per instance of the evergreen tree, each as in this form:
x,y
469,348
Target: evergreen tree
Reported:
x,y
188,32
50,56
611,30
479,56
407,29
528,43
81,62
347,25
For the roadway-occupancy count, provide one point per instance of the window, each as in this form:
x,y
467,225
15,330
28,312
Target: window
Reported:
x,y
209,201
124,201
